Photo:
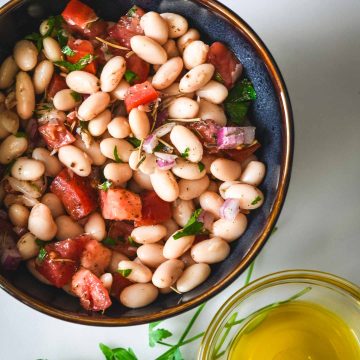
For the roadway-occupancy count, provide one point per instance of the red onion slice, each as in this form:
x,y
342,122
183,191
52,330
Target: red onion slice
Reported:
x,y
230,209
165,161
150,143
232,136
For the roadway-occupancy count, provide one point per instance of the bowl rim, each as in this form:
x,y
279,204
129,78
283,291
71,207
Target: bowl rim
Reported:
x,y
283,183
291,276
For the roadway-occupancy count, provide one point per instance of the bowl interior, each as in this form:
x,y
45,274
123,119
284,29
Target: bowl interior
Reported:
x,y
266,115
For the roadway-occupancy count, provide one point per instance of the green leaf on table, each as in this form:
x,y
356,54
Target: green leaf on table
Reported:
x,y
156,335
192,227
117,353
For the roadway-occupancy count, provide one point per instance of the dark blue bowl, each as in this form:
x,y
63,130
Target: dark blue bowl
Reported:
x,y
271,114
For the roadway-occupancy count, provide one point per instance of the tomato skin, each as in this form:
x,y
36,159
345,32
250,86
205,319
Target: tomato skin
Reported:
x,y
79,14
120,232
119,284
140,67
140,94
70,248
225,62
120,204
75,192
57,83
56,135
95,257
92,293
241,154
81,48
154,209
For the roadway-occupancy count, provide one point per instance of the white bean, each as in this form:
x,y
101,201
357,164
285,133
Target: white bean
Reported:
x,y
210,251
116,257
8,70
98,125
83,82
167,273
165,185
25,55
142,180
75,159
42,76
173,249
107,280
195,54
31,266
44,27
139,123
214,92
18,215
110,146
186,141
11,148
27,246
230,230
27,169
139,272
155,27
182,211
191,189
67,228
25,95
250,197
94,105
247,160
211,201
212,111
225,169
148,234
196,78
95,226
121,90
187,38
54,204
66,100
117,173
183,108
192,277
41,222
187,170
52,164
254,173
146,166
112,73
9,123
52,49
177,24
151,254
167,73
138,295
119,127
148,49
92,150
171,49
225,185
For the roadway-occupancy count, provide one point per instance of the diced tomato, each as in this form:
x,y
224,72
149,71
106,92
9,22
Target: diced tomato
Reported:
x,y
81,48
242,154
75,192
207,130
120,232
138,66
154,209
95,257
120,204
127,27
79,14
57,83
226,63
70,248
119,284
56,135
92,293
140,94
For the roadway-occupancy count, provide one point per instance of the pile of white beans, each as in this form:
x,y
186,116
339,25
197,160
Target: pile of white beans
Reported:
x,y
162,264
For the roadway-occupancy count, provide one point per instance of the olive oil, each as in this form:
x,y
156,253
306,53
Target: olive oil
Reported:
x,y
296,330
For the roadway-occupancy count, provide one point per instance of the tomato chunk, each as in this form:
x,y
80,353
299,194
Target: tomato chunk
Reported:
x,y
140,94
120,232
154,209
92,293
57,83
79,14
120,204
95,257
70,248
56,135
81,48
138,66
241,154
226,63
75,192
119,284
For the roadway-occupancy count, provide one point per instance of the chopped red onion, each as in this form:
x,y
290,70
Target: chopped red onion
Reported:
x,y
229,137
150,143
9,255
165,161
230,209
207,218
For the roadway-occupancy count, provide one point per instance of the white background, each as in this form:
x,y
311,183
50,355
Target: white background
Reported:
x,y
316,44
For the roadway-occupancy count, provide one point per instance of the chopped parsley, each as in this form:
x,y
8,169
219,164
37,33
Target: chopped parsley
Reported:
x,y
76,96
68,51
106,185
21,134
132,11
201,166
116,155
219,78
130,76
85,60
125,272
192,227
185,154
134,141
256,200
132,242
37,39
42,252
112,242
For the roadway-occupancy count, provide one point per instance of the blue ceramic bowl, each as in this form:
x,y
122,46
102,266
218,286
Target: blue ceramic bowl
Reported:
x,y
271,114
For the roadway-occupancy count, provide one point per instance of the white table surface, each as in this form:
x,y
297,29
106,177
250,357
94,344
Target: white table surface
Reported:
x,y
316,44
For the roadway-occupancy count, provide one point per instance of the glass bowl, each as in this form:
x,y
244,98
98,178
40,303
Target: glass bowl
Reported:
x,y
331,292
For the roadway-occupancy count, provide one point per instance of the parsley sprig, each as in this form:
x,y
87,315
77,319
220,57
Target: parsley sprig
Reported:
x,y
79,65
192,227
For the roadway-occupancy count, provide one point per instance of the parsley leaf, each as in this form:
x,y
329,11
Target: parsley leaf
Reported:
x,y
37,38
132,11
134,141
68,51
192,227
21,134
156,335
125,272
237,111
116,155
201,166
77,97
219,78
130,76
106,185
109,241
256,200
62,38
42,252
185,154
132,242
117,353
85,60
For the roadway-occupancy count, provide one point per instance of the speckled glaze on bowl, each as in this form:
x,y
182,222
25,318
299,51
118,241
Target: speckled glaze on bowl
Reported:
x,y
271,114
